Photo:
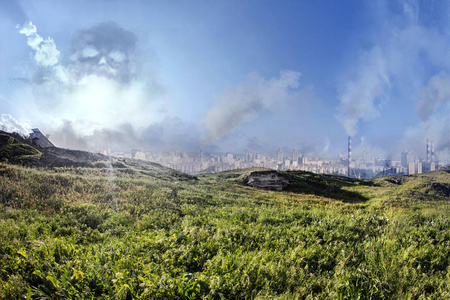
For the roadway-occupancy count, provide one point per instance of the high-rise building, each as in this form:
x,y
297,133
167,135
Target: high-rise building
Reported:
x,y
411,168
304,160
280,156
419,168
294,156
407,158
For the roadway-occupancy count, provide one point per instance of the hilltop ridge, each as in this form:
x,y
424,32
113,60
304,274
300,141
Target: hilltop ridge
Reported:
x,y
17,149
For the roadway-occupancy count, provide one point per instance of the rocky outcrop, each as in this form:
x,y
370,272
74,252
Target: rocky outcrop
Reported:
x,y
395,180
270,180
441,188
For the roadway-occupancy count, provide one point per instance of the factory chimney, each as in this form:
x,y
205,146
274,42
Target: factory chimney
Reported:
x,y
349,156
432,152
428,151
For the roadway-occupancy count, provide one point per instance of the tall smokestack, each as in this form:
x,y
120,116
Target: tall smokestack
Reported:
x,y
428,151
432,151
349,156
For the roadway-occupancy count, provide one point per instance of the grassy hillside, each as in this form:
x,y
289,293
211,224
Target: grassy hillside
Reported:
x,y
128,229
15,151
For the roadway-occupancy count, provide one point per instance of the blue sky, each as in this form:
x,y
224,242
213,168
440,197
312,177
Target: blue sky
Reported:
x,y
229,75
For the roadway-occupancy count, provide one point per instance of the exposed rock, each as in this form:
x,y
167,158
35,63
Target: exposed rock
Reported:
x,y
271,180
441,188
395,180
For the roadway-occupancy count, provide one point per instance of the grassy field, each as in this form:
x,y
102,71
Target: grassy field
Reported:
x,y
126,229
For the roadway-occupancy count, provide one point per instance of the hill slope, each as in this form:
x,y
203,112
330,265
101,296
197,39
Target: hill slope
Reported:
x,y
129,229
15,151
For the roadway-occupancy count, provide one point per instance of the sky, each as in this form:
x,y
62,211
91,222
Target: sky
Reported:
x,y
237,76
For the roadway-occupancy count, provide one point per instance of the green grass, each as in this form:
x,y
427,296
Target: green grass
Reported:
x,y
144,231
12,150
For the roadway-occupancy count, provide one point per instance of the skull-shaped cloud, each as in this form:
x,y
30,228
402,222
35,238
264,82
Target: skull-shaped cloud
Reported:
x,y
105,50
96,90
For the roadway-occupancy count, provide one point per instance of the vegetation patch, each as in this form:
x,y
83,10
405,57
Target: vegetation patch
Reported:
x,y
127,229
13,151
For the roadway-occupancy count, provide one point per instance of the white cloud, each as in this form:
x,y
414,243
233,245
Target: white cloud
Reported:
x,y
368,150
435,94
98,102
84,92
363,97
30,31
98,96
237,105
10,124
407,50
46,53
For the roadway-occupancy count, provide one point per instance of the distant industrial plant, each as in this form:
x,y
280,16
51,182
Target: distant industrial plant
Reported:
x,y
357,167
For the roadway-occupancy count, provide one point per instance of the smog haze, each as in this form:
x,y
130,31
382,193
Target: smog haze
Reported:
x,y
229,76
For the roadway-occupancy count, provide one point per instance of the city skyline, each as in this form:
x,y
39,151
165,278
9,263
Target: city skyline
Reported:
x,y
238,76
364,166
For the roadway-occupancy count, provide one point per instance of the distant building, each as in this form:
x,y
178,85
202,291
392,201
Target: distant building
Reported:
x,y
280,156
137,154
228,158
294,157
39,139
411,168
428,166
407,158
419,168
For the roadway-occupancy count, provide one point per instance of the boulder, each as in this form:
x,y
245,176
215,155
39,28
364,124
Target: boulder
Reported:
x,y
270,180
